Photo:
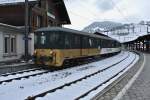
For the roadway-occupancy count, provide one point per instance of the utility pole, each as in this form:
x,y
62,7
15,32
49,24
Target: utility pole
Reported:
x,y
26,28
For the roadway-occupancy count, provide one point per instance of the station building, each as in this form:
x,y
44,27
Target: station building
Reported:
x,y
42,13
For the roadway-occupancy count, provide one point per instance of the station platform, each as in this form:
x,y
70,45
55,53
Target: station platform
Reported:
x,y
140,89
133,85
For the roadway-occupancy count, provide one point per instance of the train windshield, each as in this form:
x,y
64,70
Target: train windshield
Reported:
x,y
47,40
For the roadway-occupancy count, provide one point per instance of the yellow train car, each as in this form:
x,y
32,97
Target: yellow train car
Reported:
x,y
55,45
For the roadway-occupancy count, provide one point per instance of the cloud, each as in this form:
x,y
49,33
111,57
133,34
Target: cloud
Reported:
x,y
104,5
84,12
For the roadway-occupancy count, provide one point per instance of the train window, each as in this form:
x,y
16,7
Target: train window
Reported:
x,y
71,40
90,42
57,37
96,43
55,40
93,43
52,38
101,43
43,40
108,43
85,42
60,41
67,41
76,41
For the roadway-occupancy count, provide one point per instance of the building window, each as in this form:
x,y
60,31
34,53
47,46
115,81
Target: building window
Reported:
x,y
50,23
9,44
6,44
39,3
39,21
13,44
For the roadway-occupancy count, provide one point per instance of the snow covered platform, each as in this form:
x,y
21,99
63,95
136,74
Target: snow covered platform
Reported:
x,y
74,82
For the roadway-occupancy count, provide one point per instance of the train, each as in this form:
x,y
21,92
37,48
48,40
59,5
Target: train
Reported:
x,y
56,45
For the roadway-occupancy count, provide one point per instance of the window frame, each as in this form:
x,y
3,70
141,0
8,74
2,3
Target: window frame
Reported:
x,y
14,48
11,48
7,45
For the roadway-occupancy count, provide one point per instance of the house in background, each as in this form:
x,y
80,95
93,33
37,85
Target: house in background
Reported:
x,y
42,13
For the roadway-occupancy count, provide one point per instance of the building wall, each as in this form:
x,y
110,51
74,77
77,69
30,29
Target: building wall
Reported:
x,y
1,45
31,44
19,43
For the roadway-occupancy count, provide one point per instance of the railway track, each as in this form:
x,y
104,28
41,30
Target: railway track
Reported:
x,y
14,75
20,75
20,72
84,80
32,86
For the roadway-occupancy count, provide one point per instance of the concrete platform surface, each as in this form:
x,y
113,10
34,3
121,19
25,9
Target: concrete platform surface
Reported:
x,y
140,89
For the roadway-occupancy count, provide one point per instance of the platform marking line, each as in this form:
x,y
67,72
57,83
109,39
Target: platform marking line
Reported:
x,y
129,84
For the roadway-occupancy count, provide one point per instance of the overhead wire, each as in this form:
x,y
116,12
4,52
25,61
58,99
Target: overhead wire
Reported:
x,y
82,17
95,15
118,9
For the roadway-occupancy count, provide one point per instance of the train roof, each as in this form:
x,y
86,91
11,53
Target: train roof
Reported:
x,y
45,29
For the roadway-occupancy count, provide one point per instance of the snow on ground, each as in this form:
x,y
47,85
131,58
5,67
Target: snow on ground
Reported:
x,y
76,90
37,84
3,78
94,93
12,1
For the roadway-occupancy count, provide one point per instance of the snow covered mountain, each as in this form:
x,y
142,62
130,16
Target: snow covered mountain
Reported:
x,y
101,26
118,31
130,33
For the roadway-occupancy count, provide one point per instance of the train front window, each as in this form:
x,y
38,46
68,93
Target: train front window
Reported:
x,y
40,40
49,40
35,39
53,38
43,40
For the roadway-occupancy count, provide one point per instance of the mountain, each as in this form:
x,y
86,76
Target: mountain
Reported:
x,y
101,26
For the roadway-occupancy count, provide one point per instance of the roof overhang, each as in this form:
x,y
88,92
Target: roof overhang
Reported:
x,y
13,13
60,6
8,16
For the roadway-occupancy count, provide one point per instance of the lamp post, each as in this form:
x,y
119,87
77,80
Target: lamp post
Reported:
x,y
26,29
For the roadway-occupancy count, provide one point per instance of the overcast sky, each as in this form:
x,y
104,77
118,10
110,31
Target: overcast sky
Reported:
x,y
84,12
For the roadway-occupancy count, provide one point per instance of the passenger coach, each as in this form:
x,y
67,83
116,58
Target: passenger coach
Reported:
x,y
55,45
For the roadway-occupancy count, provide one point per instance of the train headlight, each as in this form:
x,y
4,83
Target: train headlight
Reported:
x,y
51,52
35,51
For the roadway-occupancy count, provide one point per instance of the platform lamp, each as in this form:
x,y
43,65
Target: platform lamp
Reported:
x,y
26,29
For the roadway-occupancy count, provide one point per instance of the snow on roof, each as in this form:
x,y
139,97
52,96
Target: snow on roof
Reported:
x,y
12,1
10,27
